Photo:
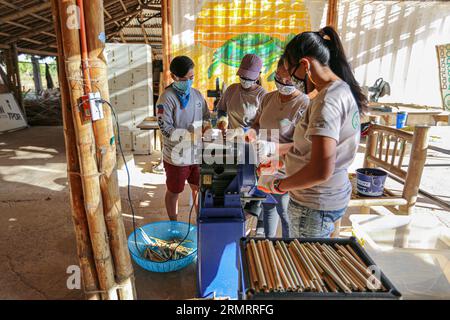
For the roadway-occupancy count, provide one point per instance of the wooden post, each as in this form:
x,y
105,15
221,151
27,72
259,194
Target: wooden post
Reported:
x,y
87,154
166,14
13,73
106,151
332,14
84,247
36,74
417,160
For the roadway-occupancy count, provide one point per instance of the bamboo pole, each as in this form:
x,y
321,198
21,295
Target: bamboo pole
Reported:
x,y
332,14
417,160
84,249
106,151
87,158
166,13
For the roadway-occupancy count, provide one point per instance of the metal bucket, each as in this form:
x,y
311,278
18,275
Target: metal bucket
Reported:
x,y
370,182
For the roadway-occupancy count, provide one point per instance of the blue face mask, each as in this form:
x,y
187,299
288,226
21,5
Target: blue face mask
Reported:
x,y
183,86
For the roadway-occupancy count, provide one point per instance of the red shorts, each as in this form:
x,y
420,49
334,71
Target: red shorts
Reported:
x,y
176,176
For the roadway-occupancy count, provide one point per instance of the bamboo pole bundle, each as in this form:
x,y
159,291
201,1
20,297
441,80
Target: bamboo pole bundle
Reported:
x,y
86,152
106,151
84,248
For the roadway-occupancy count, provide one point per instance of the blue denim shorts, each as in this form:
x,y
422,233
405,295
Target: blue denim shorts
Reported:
x,y
306,222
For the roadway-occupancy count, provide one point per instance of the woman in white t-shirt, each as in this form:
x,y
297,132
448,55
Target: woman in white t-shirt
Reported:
x,y
275,122
325,139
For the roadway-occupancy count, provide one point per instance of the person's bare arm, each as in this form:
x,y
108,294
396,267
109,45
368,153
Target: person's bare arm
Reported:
x,y
318,170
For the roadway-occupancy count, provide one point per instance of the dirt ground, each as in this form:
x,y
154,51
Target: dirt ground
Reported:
x,y
37,242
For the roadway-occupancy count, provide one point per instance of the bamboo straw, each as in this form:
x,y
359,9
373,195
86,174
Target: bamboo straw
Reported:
x,y
300,269
293,267
330,283
305,261
251,263
353,253
284,274
264,265
355,283
262,279
283,278
355,271
335,264
272,285
276,273
291,274
314,262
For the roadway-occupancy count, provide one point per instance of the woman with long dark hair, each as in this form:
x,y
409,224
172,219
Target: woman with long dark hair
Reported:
x,y
325,139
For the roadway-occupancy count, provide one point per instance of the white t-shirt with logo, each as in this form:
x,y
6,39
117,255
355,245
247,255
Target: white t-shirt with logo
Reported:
x,y
283,116
241,105
332,113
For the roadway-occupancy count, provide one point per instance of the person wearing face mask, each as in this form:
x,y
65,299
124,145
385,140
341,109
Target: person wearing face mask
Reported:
x,y
182,112
279,110
325,139
238,106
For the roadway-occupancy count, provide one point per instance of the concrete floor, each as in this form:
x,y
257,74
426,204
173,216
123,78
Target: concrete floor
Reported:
x,y
37,242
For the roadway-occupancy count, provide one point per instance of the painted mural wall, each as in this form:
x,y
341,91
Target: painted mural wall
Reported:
x,y
216,34
395,40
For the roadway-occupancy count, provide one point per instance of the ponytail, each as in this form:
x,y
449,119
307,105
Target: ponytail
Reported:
x,y
326,47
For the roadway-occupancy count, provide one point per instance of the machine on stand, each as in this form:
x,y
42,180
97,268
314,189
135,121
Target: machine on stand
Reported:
x,y
227,194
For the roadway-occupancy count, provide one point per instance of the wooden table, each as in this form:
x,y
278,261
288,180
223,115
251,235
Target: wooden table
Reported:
x,y
430,116
150,123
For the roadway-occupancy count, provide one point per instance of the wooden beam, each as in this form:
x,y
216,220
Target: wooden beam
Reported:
x,y
24,12
37,52
29,34
144,32
332,14
32,40
123,6
120,17
20,25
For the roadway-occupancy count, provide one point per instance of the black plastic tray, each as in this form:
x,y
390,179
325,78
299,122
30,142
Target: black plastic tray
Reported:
x,y
244,277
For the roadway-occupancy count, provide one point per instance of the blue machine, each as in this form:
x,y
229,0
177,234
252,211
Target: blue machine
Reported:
x,y
227,192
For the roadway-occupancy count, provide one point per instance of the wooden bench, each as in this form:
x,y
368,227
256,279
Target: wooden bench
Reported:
x,y
386,149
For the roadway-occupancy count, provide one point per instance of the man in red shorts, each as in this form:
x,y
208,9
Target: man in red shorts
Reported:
x,y
181,111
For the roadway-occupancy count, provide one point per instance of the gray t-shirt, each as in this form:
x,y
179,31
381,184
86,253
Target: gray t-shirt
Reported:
x,y
332,113
283,116
172,118
240,105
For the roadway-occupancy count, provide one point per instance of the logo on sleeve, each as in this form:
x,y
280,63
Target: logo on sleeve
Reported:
x,y
160,109
355,120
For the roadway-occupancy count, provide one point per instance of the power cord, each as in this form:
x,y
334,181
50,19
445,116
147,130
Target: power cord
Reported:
x,y
97,100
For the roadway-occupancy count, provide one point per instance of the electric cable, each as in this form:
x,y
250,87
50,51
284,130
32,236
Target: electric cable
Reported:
x,y
129,184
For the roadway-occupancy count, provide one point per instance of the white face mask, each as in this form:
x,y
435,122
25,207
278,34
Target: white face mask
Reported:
x,y
285,90
247,84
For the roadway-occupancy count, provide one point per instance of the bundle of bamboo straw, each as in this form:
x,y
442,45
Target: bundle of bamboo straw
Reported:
x,y
279,266
160,250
